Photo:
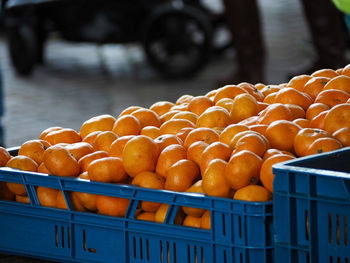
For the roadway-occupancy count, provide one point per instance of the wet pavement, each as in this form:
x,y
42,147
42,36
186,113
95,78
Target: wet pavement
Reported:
x,y
79,81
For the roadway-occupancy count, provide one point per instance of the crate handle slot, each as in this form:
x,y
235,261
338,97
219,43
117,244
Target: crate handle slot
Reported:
x,y
330,228
225,256
346,240
147,247
161,251
174,248
307,230
141,249
92,250
338,229
56,235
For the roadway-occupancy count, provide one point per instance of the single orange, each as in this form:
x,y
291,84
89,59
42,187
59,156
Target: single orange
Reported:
x,y
206,220
298,82
322,145
140,154
195,151
107,170
47,196
315,109
150,131
127,125
112,206
228,91
48,130
186,115
65,135
201,134
281,134
266,174
60,162
244,106
216,150
253,193
337,118
191,221
147,117
181,175
332,97
79,149
104,140
315,85
199,104
214,181
225,103
243,169
343,135
103,122
167,139
168,156
230,131
173,126
252,142
85,161
161,107
274,112
326,72
34,149
214,117
129,110
303,123
341,82
293,96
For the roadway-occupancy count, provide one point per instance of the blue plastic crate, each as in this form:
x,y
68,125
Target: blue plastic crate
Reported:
x,y
241,232
312,209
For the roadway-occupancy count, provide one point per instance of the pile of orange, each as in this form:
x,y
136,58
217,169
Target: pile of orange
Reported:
x,y
221,144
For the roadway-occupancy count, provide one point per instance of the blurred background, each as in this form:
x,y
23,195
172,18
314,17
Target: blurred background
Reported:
x,y
79,80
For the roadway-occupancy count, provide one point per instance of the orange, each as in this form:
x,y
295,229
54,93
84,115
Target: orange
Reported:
x,y
161,107
244,106
129,110
274,112
230,131
184,99
140,154
194,152
79,149
270,98
180,107
346,70
90,138
332,97
216,150
167,116
340,71
104,140
337,118
60,162
326,72
85,161
192,221
33,149
293,96
87,200
266,174
252,142
168,156
252,90
201,134
107,170
117,147
260,128
270,89
149,180
127,125
47,196
303,123
167,139
343,135
206,220
112,206
182,134
243,169
173,126
22,163
214,117
181,175
61,202
213,180
103,122
22,199
199,104
262,106
298,82
186,115
270,152
253,193
297,111
281,134
228,91
315,85
5,193
4,156
147,117
42,169
238,136
260,86
305,137
162,212
48,130
318,121
225,103
150,131
315,109
65,135
193,211
147,216
341,82
322,145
